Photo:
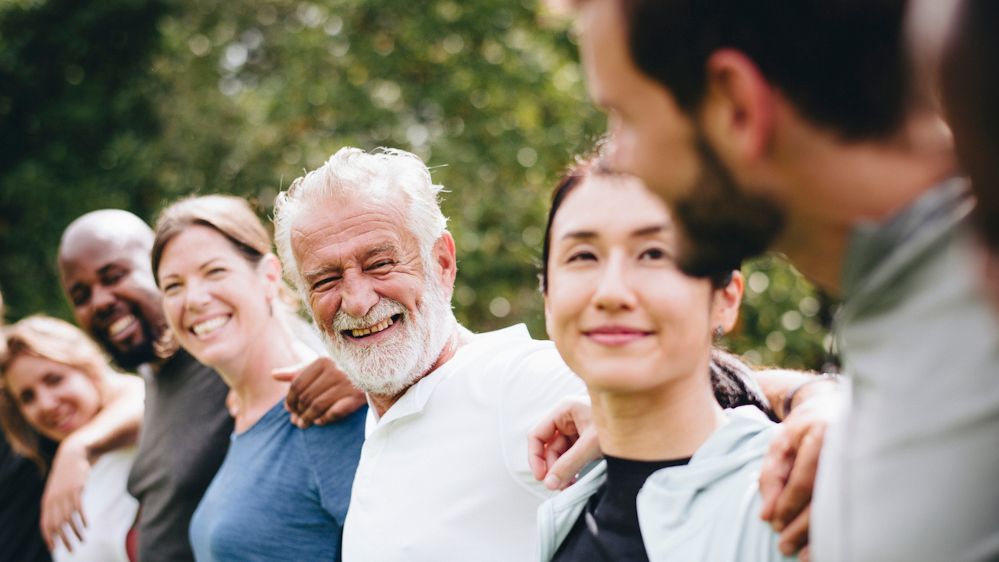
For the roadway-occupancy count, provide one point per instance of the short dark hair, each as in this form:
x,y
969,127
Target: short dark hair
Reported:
x,y
842,63
970,89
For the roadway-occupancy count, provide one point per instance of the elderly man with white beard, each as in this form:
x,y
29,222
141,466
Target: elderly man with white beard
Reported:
x,y
443,473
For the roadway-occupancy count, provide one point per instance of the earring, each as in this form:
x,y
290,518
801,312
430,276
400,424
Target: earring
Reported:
x,y
718,332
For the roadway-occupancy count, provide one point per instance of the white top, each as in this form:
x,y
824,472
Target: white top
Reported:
x,y
109,510
443,474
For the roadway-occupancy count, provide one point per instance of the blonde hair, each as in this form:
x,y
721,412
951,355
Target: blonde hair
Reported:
x,y
56,340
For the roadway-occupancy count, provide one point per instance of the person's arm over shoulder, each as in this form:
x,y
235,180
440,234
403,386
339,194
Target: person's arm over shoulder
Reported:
x,y
537,380
116,425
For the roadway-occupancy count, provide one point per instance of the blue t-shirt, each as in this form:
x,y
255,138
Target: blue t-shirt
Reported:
x,y
281,493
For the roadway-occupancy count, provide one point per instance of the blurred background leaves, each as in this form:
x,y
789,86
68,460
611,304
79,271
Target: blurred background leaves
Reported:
x,y
132,104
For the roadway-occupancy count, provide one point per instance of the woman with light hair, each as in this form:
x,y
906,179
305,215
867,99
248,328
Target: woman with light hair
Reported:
x,y
282,491
54,381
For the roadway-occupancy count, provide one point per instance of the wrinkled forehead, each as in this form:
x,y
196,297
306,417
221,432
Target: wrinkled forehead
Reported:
x,y
340,221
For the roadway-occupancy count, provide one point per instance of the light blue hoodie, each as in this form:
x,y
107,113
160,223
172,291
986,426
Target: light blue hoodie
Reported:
x,y
707,510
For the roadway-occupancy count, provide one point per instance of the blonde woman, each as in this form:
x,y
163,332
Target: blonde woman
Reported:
x,y
55,380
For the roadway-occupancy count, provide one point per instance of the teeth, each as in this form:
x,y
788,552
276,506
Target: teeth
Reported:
x,y
119,325
358,332
209,326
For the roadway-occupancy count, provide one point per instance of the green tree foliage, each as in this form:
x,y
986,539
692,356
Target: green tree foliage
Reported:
x,y
242,97
76,120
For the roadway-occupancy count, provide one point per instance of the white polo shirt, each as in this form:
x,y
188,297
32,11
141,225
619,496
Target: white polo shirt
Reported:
x,y
443,474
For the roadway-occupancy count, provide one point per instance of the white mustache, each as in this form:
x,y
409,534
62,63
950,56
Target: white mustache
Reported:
x,y
385,308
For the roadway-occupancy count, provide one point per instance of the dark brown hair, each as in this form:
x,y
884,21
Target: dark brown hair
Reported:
x,y
579,172
842,63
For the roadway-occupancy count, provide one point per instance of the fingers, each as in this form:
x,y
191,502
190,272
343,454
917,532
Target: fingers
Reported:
x,y
805,554
320,393
774,473
537,447
797,494
562,443
795,535
301,378
332,405
342,408
67,518
563,471
549,439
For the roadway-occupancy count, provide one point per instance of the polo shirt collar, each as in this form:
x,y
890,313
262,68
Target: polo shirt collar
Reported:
x,y
416,397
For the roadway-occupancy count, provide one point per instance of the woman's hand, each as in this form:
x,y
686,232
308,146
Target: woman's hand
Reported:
x,y
62,510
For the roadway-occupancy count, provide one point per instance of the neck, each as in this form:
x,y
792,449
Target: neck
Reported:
x,y
833,186
666,423
461,335
250,375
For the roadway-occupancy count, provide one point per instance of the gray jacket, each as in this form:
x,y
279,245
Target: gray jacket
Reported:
x,y
706,510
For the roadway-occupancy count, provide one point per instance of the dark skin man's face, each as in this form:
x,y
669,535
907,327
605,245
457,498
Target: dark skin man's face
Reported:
x,y
109,284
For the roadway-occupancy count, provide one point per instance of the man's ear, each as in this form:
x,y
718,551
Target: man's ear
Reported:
x,y
725,303
444,256
738,111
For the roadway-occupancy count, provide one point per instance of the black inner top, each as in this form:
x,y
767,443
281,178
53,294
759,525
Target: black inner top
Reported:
x,y
607,530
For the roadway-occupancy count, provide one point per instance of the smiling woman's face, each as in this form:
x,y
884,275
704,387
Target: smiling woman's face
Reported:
x,y
55,399
214,299
621,313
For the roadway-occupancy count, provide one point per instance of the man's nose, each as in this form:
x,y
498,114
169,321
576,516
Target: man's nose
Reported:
x,y
103,299
358,295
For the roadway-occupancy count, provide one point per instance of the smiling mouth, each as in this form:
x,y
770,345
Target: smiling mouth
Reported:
x,y
615,336
120,325
360,333
206,327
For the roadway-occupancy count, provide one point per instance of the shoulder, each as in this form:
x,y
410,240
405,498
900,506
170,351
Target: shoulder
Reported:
x,y
512,352
709,509
340,440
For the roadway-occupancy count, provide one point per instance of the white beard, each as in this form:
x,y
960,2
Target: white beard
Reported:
x,y
391,366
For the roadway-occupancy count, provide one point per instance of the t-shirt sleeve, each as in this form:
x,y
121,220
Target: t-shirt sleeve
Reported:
x,y
535,381
333,451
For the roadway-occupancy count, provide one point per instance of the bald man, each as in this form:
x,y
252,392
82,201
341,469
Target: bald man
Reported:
x,y
104,264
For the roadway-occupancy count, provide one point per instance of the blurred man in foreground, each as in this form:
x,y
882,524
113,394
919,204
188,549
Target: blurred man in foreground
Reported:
x,y
793,126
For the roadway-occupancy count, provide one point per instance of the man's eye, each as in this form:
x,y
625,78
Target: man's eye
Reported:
x,y
113,277
79,298
382,264
324,283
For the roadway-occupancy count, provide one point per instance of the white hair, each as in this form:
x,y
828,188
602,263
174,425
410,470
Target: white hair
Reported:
x,y
385,174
